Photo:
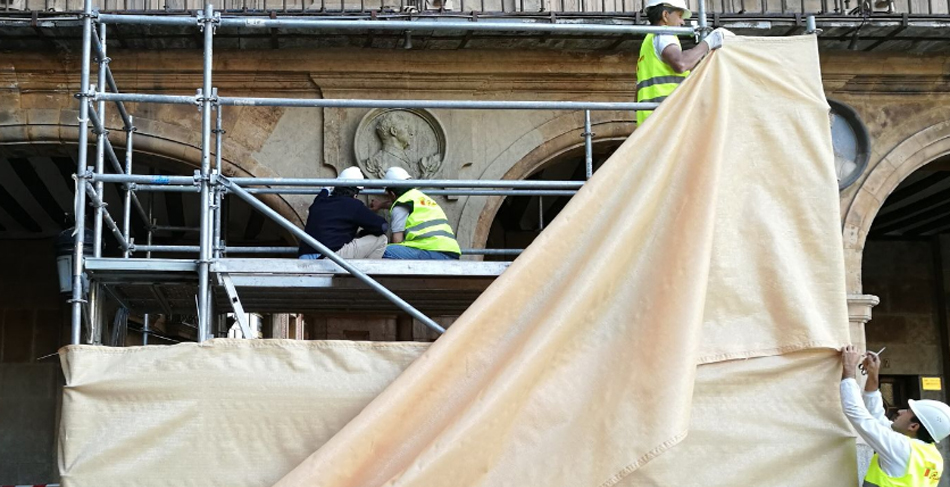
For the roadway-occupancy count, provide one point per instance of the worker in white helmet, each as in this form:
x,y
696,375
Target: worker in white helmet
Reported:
x,y
420,229
343,223
904,451
663,64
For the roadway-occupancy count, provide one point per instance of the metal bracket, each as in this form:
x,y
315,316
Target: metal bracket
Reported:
x,y
200,98
215,21
239,315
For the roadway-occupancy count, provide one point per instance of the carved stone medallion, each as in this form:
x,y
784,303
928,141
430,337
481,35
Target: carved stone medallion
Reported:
x,y
411,139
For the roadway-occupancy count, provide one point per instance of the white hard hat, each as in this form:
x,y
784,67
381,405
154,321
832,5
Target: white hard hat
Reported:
x,y
397,173
934,415
351,172
677,4
354,173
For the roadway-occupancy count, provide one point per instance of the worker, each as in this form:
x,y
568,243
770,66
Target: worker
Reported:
x,y
904,450
420,229
342,223
663,64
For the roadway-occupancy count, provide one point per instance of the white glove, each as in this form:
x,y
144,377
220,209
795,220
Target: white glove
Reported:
x,y
715,38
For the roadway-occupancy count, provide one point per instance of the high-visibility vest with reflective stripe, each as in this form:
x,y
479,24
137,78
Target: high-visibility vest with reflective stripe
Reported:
x,y
656,80
923,469
427,228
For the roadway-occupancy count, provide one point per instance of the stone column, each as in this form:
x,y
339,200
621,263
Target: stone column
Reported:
x,y
859,313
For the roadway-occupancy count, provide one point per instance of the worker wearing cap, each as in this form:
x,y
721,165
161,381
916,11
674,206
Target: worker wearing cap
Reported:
x,y
904,451
344,224
663,64
420,229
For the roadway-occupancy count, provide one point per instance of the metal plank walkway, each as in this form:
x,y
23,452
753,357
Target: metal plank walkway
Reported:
x,y
296,286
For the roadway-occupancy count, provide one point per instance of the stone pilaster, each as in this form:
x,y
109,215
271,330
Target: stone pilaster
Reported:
x,y
859,313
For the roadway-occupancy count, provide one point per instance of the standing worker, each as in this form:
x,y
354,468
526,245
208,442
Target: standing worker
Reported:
x,y
663,64
420,228
904,450
344,224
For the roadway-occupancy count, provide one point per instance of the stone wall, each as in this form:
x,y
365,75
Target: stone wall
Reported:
x,y
32,318
901,274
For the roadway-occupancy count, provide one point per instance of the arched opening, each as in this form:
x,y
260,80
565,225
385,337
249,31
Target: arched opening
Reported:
x,y
36,205
520,219
905,262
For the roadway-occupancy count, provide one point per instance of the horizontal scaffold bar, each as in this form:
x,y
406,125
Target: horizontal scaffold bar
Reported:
x,y
285,250
189,182
348,103
412,183
431,192
422,24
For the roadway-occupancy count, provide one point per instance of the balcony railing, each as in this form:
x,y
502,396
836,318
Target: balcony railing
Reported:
x,y
527,7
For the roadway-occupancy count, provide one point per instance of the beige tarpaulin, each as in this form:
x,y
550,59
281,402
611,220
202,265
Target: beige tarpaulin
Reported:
x,y
711,236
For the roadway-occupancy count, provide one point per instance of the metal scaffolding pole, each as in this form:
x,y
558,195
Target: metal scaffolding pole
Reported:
x,y
75,335
127,208
101,52
409,183
329,254
588,147
101,134
97,201
184,249
451,192
368,103
114,159
187,183
238,22
204,258
218,195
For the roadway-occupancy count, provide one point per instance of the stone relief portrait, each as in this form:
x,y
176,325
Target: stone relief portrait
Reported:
x,y
411,139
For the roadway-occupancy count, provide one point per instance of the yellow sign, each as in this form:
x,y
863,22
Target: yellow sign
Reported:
x,y
931,383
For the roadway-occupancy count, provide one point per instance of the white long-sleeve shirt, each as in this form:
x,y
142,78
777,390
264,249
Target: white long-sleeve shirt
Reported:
x,y
893,449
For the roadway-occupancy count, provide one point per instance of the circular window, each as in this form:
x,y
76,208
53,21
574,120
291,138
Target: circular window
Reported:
x,y
851,143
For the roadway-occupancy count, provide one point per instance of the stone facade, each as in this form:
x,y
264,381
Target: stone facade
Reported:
x,y
904,100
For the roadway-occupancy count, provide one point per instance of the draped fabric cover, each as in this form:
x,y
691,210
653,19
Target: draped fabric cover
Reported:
x,y
673,326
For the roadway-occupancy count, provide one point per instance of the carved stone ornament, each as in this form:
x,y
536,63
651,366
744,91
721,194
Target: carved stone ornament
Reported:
x,y
411,139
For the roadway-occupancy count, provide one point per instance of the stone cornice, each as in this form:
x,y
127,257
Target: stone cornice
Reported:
x,y
859,307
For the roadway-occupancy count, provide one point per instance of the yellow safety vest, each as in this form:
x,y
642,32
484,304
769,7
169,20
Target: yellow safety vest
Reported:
x,y
923,469
656,80
427,228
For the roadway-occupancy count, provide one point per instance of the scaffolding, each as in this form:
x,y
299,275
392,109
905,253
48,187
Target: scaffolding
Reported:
x,y
211,185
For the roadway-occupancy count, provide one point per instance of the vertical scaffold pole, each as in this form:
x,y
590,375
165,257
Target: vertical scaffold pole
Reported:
x,y
588,147
101,135
146,319
204,258
75,335
702,20
127,208
218,134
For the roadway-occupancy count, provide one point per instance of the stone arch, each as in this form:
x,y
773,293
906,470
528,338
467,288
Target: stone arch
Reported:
x,y
524,157
153,137
900,162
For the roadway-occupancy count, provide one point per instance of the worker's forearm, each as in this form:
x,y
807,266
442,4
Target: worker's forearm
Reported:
x,y
693,56
847,373
873,383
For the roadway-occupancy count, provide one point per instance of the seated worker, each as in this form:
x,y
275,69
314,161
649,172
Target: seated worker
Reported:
x,y
344,224
904,450
663,64
420,229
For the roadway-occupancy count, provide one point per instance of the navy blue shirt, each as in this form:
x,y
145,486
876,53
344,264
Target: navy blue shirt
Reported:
x,y
335,220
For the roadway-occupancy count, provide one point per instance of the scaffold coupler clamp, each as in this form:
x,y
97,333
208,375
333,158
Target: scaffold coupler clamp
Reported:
x,y
200,98
214,20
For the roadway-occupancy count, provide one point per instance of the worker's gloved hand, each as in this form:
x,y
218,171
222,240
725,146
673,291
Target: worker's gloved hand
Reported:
x,y
715,38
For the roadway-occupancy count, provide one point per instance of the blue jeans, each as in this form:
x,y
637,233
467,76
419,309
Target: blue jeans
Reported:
x,y
311,256
409,253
